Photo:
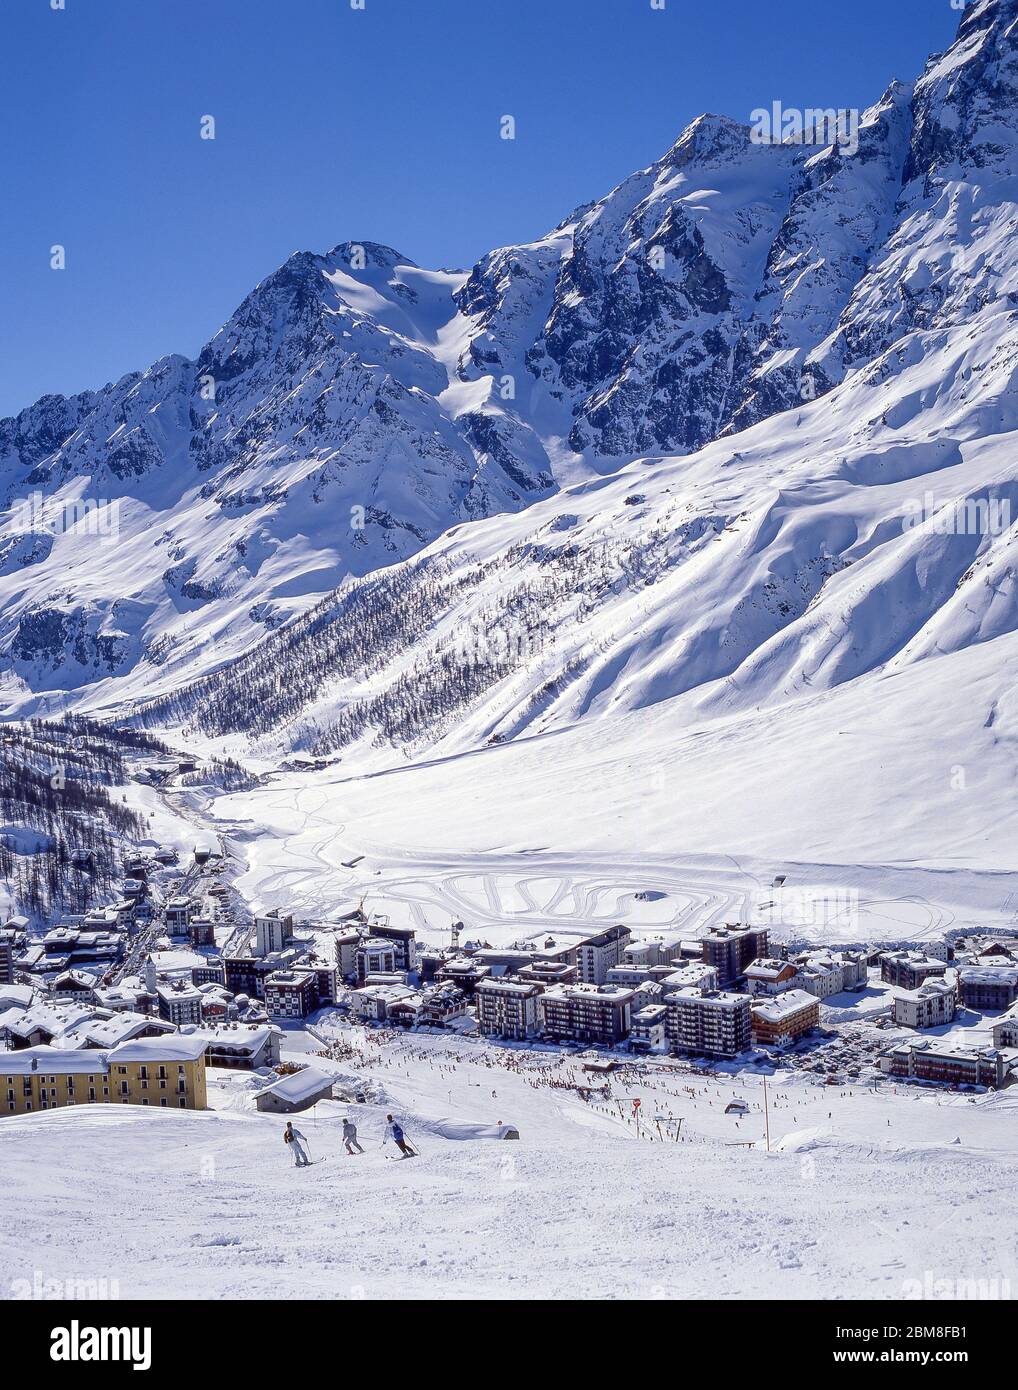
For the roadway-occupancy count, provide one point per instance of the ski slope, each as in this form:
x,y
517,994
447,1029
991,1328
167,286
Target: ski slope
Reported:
x,y
208,1205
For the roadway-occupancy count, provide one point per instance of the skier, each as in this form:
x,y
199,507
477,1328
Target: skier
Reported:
x,y
394,1130
350,1136
294,1137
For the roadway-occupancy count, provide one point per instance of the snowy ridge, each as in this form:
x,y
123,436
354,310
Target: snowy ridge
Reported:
x,y
703,463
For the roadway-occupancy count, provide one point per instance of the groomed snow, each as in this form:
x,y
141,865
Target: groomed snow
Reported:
x,y
861,1202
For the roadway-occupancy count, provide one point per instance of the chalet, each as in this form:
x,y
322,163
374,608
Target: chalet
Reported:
x,y
442,1005
43,1023
114,1029
297,1091
240,1045
767,975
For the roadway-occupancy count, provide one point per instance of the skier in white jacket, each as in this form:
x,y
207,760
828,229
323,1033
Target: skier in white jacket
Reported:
x,y
296,1140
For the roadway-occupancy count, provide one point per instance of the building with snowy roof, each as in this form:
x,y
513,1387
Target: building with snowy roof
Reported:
x,y
988,986
781,1019
589,1013
708,1023
166,1072
508,1008
929,1059
297,1091
933,1003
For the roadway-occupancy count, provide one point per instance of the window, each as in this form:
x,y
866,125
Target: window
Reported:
x,y
183,1103
164,1101
123,1088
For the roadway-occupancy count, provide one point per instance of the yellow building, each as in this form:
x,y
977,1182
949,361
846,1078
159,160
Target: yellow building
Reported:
x,y
167,1072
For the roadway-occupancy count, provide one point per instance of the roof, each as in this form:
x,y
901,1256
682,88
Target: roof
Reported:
x,y
299,1085
78,1060
989,974
782,1006
244,1037
499,986
108,1032
174,1047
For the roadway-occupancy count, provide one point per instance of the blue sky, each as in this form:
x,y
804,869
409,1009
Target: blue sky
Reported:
x,y
337,124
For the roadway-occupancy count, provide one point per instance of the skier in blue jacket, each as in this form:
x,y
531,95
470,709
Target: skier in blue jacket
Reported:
x,y
394,1131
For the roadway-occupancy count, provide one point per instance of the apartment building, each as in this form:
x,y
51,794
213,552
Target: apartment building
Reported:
x,y
168,1072
375,955
709,1023
731,949
932,1060
178,914
291,993
932,1003
910,969
508,1008
781,1019
596,955
649,1029
273,932
988,986
180,1003
1005,1030
586,1013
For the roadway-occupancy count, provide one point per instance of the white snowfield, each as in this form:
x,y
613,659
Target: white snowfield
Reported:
x,y
875,1199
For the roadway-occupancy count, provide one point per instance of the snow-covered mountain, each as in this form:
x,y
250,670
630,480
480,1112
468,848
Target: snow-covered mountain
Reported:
x,y
730,447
